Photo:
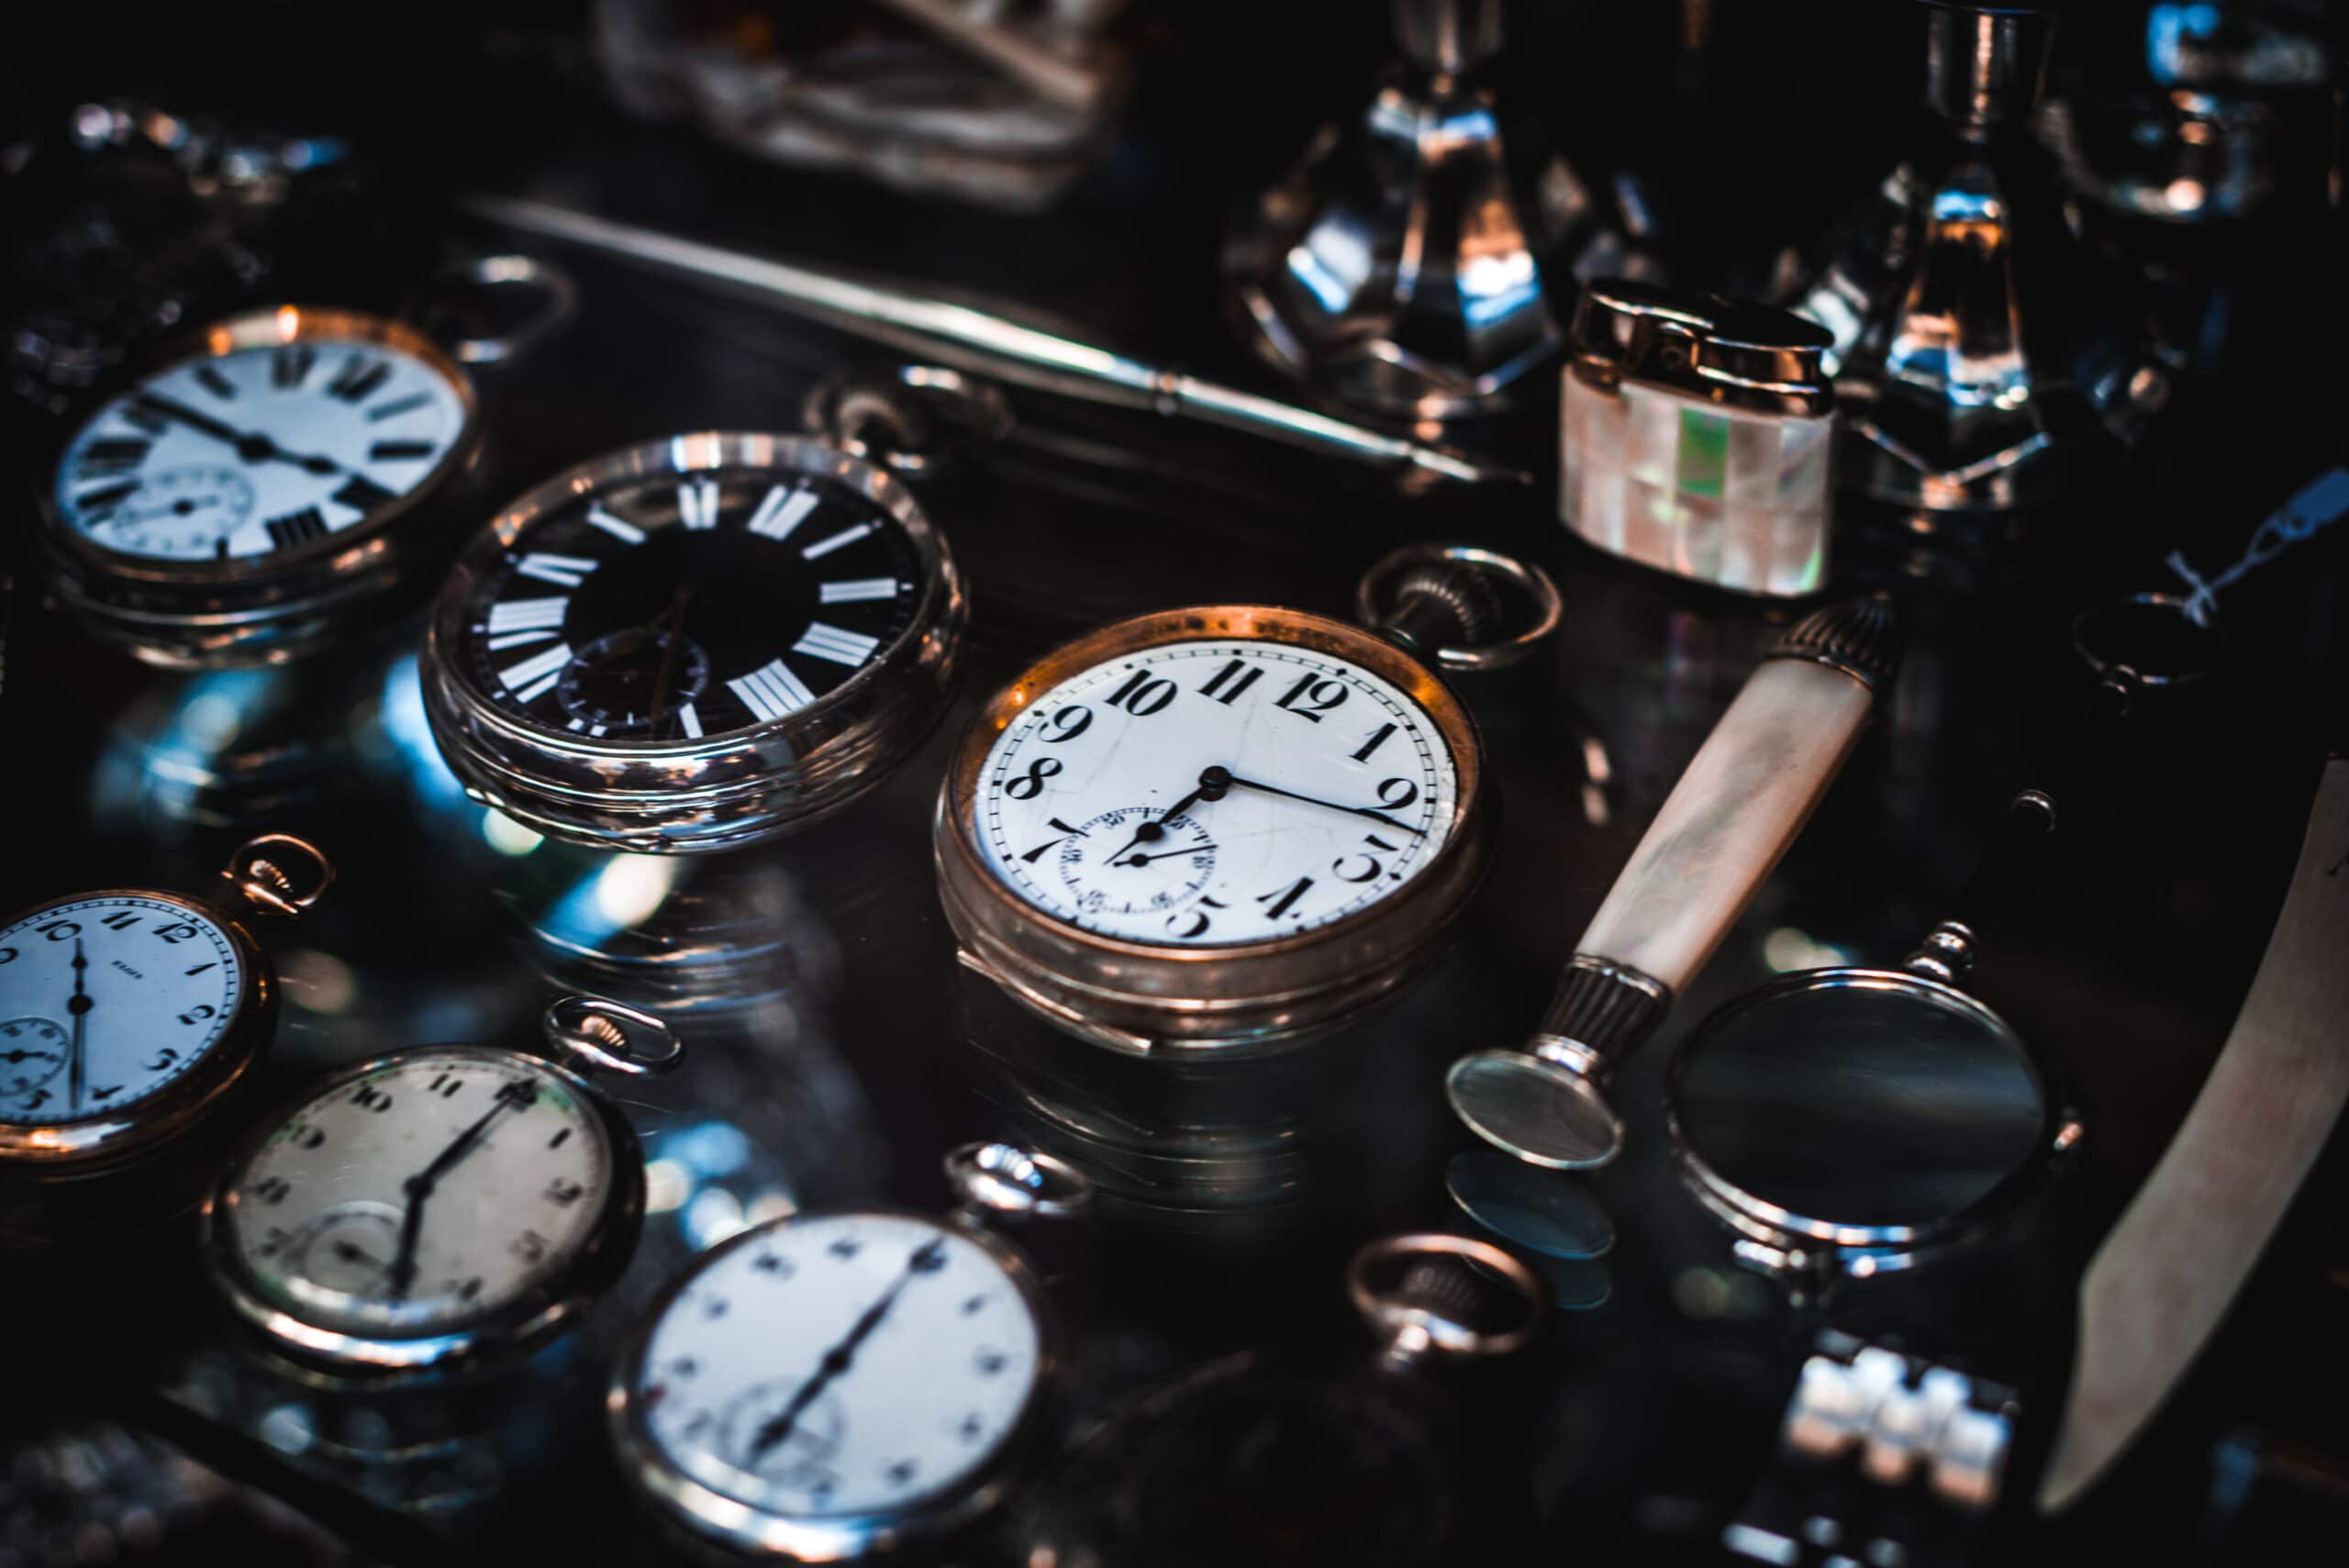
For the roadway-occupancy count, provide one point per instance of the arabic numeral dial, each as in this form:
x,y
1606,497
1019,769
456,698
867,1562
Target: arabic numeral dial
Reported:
x,y
421,1192
107,1002
1215,791
840,1363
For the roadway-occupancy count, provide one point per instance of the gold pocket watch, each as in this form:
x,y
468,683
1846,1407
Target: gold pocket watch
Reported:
x,y
243,499
1225,830
127,1015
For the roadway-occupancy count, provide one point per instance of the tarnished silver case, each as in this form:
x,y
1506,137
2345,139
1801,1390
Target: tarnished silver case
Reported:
x,y
498,1337
186,615
1199,1003
695,796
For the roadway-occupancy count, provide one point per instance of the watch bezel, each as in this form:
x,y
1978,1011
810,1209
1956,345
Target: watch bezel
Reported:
x,y
720,792
189,613
92,1144
1227,1000
711,1516
495,1337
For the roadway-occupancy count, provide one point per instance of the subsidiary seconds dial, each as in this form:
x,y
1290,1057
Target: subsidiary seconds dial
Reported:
x,y
1215,791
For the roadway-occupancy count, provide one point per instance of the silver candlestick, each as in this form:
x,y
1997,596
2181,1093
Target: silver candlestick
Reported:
x,y
1397,268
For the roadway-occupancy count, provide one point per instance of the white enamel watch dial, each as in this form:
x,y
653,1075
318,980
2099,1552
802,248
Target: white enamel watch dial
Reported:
x,y
257,450
107,999
830,1367
1217,791
423,1192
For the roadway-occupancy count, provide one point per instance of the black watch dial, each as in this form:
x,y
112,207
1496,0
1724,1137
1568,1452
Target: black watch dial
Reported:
x,y
681,606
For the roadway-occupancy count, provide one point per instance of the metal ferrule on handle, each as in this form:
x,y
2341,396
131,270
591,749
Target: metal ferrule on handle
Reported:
x,y
1739,804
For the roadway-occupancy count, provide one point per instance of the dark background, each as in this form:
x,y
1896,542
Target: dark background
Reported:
x,y
1634,1424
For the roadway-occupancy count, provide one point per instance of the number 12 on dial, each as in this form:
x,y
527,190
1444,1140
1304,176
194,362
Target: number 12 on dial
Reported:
x,y
1216,830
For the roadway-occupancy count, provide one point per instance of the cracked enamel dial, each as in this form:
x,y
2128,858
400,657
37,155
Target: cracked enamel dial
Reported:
x,y
832,1366
1215,792
686,605
239,454
105,1000
426,1190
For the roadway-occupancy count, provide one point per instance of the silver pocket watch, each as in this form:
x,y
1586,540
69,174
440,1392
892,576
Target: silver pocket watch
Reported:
x,y
441,1209
246,495
832,1384
693,643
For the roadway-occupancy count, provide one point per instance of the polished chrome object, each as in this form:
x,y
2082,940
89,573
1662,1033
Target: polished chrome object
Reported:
x,y
1981,360
361,1329
695,795
1695,437
919,420
1901,1416
991,344
1740,803
1398,269
999,1181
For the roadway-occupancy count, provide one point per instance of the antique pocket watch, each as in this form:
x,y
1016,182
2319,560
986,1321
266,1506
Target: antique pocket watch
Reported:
x,y
1229,828
693,643
127,1015
831,1384
241,502
440,1208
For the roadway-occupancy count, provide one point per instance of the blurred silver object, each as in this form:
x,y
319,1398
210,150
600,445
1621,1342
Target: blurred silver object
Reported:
x,y
1004,103
988,342
1397,268
1980,362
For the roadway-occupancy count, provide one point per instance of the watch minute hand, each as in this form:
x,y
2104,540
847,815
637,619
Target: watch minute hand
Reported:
x,y
421,1186
1372,812
838,1359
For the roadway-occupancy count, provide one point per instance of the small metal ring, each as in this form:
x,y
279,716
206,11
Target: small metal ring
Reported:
x,y
975,409
1431,1330
268,873
556,301
590,1026
1550,608
2129,676
1002,1179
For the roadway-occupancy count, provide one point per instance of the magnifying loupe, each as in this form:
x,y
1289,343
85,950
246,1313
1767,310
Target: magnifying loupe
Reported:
x,y
1855,1121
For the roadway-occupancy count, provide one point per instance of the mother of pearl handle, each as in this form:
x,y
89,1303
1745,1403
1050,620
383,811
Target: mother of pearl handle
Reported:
x,y
1735,811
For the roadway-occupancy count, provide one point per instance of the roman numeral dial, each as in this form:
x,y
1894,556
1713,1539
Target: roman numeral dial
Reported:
x,y
275,447
686,605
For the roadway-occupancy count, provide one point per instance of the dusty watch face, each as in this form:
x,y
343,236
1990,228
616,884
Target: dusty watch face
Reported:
x,y
843,1366
250,451
680,606
426,1191
105,1000
1215,792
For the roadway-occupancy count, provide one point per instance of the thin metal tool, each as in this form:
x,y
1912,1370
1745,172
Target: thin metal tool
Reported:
x,y
978,341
